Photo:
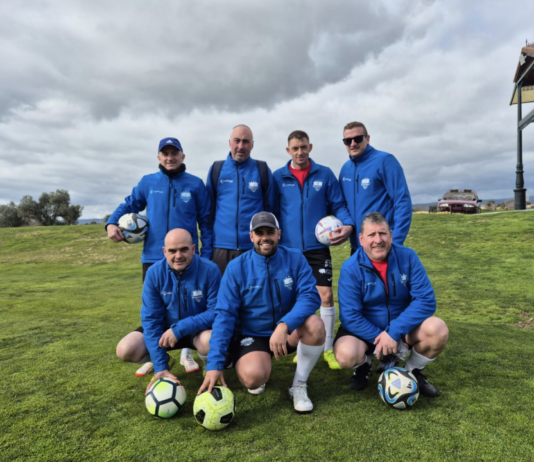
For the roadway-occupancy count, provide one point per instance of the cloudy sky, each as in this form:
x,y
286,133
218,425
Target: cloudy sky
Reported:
x,y
87,89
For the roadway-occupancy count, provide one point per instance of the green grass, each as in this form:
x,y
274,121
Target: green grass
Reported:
x,y
68,295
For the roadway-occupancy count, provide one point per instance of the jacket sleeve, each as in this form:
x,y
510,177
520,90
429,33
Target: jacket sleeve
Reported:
x,y
350,305
336,201
308,300
134,203
201,321
422,306
204,221
397,189
226,315
276,208
271,202
153,321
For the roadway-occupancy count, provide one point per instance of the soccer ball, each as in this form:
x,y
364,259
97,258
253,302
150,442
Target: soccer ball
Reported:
x,y
323,230
398,388
215,410
165,398
134,227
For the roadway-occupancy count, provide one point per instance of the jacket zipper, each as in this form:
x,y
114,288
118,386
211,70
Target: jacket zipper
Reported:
x,y
169,202
243,178
185,298
174,198
237,214
271,292
394,286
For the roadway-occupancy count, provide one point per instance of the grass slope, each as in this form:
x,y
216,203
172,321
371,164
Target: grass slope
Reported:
x,y
68,294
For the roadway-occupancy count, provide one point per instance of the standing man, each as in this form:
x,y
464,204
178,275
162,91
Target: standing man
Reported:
x,y
306,192
173,198
386,305
238,187
373,181
271,291
179,297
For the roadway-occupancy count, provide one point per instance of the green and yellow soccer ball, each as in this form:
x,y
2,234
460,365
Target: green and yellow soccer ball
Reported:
x,y
165,398
215,410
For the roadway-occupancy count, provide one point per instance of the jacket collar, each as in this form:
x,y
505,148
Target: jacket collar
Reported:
x,y
172,173
188,271
286,172
369,150
261,260
364,260
235,163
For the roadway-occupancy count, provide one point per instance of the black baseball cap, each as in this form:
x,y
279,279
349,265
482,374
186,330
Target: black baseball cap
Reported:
x,y
263,219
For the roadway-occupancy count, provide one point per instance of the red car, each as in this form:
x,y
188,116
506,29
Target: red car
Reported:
x,y
459,201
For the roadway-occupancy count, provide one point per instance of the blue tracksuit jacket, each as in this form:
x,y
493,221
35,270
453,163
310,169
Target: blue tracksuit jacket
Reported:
x,y
374,182
185,303
262,292
239,197
181,201
364,308
300,209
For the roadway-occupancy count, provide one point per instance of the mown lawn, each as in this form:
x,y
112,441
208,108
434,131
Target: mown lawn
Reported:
x,y
68,294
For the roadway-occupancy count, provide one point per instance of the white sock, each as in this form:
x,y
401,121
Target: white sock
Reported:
x,y
328,315
185,351
308,356
417,361
368,359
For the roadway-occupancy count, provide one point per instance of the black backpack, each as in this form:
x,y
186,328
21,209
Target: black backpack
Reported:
x,y
216,173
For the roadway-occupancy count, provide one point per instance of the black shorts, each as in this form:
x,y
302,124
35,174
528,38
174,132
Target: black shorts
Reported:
x,y
243,344
342,332
320,261
221,257
184,342
145,269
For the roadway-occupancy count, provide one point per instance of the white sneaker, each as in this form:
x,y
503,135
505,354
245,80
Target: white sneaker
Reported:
x,y
148,368
189,363
257,391
301,402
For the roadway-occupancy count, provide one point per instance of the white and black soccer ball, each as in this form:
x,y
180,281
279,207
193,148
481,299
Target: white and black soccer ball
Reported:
x,y
398,388
215,410
323,230
134,227
165,398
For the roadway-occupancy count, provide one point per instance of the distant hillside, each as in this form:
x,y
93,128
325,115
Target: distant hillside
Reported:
x,y
90,220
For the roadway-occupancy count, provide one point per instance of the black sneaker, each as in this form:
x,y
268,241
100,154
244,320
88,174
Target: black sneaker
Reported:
x,y
387,362
359,380
425,387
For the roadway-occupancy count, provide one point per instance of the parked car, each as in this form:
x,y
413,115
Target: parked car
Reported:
x,y
460,201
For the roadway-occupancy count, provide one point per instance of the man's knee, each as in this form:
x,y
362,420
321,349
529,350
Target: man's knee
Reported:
x,y
436,329
314,329
132,348
202,342
252,375
348,357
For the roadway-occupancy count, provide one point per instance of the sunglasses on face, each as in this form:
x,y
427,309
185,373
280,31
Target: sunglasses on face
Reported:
x,y
357,139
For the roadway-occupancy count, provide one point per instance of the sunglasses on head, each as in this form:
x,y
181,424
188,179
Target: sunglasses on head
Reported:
x,y
357,139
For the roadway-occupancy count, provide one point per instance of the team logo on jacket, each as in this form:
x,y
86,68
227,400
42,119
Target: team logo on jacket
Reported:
x,y
287,184
346,179
365,183
288,282
153,191
197,295
253,186
317,185
404,279
226,181
166,293
247,341
185,196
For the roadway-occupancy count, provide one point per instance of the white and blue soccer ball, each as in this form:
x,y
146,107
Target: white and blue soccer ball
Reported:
x,y
398,388
134,227
323,230
165,398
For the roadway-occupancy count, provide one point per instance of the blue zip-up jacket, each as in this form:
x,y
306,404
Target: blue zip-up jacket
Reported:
x,y
239,197
374,182
180,201
261,293
185,303
300,209
366,310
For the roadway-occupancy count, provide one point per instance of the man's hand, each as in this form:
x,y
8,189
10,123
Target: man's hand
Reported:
x,y
168,339
115,233
211,379
340,235
158,376
278,341
385,345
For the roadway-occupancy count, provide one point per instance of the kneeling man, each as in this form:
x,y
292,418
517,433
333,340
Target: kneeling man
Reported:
x,y
179,296
270,292
386,305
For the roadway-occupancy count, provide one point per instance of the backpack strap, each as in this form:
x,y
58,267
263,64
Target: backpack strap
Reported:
x,y
215,174
264,178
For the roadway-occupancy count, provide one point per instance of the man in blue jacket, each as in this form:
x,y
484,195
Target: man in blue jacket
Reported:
x,y
373,181
271,292
386,305
240,188
306,192
179,296
173,199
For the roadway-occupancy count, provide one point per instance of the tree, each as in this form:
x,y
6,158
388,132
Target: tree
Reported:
x,y
9,216
50,207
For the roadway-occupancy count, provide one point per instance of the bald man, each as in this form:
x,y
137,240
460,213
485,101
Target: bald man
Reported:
x,y
179,297
239,187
